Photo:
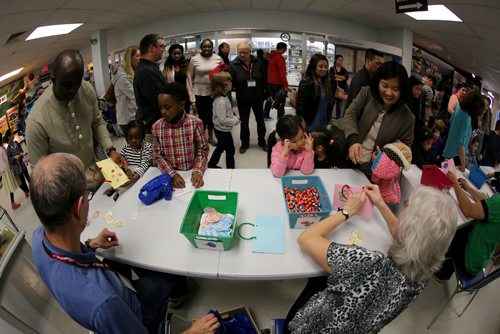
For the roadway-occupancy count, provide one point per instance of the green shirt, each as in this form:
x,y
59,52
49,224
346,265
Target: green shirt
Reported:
x,y
484,236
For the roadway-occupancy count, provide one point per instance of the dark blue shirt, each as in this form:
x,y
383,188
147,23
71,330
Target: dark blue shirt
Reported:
x,y
94,298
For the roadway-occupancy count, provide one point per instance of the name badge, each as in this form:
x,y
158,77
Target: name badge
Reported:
x,y
251,83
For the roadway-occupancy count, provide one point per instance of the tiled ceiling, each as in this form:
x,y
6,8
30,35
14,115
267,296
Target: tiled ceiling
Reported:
x,y
473,45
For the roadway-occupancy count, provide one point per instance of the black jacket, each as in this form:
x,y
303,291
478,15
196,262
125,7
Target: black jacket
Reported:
x,y
308,100
361,79
241,76
148,80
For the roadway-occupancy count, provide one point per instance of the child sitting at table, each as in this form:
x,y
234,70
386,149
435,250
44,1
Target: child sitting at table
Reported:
x,y
470,155
138,152
438,142
223,118
421,147
293,150
179,141
326,152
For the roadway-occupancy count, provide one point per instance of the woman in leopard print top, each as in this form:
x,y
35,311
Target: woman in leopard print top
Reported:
x,y
365,289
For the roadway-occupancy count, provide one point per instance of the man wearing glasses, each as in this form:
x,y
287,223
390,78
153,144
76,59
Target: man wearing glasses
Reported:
x,y
148,80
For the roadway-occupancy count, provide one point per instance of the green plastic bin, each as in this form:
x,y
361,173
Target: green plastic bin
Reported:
x,y
222,201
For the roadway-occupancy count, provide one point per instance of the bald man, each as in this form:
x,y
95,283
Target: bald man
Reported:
x,y
85,287
66,118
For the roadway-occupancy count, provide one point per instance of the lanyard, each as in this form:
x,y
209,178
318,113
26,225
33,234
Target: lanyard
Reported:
x,y
65,259
249,69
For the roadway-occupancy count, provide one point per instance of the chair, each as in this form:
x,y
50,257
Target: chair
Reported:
x,y
468,283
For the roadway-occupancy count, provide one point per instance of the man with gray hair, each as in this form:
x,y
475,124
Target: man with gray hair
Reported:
x,y
249,82
85,287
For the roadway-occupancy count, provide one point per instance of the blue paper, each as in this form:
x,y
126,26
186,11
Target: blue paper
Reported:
x,y
269,234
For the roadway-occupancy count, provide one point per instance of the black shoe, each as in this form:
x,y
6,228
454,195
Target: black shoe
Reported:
x,y
263,147
243,149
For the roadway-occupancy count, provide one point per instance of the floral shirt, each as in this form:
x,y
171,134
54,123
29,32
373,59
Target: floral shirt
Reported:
x,y
365,291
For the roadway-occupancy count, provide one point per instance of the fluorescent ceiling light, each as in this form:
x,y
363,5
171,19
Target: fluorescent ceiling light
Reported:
x,y
435,13
10,74
54,30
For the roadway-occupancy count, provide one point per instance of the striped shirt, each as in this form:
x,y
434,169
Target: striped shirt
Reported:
x,y
139,160
181,146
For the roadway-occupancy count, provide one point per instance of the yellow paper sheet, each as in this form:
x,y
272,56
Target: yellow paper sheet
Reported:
x,y
112,172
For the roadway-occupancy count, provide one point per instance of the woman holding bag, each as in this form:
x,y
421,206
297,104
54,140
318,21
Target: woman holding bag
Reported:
x,y
338,80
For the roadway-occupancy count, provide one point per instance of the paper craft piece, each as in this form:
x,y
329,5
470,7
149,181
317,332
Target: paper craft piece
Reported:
x,y
355,238
112,172
108,217
269,235
182,191
342,193
133,215
449,166
118,223
96,214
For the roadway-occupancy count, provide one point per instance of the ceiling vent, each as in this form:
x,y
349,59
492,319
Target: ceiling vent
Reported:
x,y
15,37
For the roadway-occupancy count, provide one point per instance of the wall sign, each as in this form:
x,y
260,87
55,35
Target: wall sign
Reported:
x,y
405,6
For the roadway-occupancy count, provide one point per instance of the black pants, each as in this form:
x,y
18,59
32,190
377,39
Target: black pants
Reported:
x,y
153,290
456,252
224,143
25,179
244,109
204,106
313,286
274,89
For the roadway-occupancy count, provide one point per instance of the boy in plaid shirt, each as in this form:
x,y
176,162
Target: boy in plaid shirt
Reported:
x,y
179,141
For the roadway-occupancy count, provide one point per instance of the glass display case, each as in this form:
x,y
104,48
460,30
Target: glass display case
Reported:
x,y
10,237
314,45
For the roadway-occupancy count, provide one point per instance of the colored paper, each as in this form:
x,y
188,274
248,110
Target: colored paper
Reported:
x,y
269,235
342,193
112,173
449,166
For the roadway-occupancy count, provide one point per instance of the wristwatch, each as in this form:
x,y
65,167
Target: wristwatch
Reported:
x,y
345,213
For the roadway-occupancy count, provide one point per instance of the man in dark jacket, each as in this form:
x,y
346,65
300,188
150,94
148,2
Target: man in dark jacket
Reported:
x,y
373,60
148,80
249,82
276,77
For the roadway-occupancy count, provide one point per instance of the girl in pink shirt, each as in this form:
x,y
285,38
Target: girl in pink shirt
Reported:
x,y
293,150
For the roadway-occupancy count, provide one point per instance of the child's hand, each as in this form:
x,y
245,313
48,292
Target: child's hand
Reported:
x,y
286,148
178,181
465,185
375,153
308,145
197,180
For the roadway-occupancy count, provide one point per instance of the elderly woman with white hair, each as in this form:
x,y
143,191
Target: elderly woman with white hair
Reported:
x,y
249,82
365,289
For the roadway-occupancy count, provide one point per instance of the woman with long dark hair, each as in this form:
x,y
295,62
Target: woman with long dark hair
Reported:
x,y
175,70
314,99
379,115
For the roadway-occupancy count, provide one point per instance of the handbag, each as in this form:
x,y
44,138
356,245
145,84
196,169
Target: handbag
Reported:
x,y
158,187
340,94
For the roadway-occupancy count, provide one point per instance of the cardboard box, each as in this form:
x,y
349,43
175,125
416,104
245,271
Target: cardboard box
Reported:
x,y
242,309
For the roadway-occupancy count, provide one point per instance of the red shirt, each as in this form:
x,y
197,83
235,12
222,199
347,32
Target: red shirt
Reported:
x,y
181,146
